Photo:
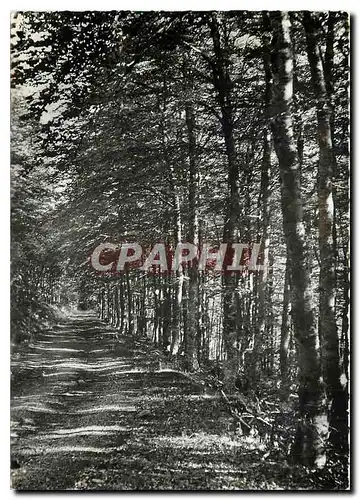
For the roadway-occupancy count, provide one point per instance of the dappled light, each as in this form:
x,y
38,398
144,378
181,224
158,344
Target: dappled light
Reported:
x,y
143,406
155,424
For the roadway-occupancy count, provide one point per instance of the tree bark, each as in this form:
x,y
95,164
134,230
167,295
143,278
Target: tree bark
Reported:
x,y
223,85
108,313
179,277
166,314
328,334
309,445
328,68
122,304
192,310
263,303
102,302
116,306
345,311
285,330
130,329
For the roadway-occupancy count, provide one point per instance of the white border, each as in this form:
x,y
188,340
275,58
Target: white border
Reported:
x,y
345,5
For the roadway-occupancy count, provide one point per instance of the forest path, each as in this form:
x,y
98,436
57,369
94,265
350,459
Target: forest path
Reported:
x,y
91,410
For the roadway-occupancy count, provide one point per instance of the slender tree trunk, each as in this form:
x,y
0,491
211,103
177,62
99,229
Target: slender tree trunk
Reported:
x,y
166,317
121,303
204,329
345,312
130,329
309,445
102,307
108,306
329,83
184,316
111,303
116,306
271,316
223,85
179,278
285,330
156,322
158,297
265,214
328,69
143,318
193,299
327,282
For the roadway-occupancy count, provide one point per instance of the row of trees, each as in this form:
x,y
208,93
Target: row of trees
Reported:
x,y
199,127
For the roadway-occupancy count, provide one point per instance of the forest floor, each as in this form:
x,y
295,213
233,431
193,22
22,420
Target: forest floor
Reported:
x,y
94,411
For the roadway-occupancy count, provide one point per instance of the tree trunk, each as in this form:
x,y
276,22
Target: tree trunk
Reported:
x,y
130,329
285,330
192,310
102,303
166,314
179,278
116,306
108,313
328,334
345,312
328,67
309,445
265,215
223,85
122,304
143,301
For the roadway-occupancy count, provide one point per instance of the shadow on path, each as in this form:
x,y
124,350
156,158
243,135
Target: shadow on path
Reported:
x,y
93,411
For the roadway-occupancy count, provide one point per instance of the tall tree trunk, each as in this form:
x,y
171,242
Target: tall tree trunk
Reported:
x,y
271,314
223,85
262,279
309,445
179,276
345,311
328,68
265,214
327,282
192,310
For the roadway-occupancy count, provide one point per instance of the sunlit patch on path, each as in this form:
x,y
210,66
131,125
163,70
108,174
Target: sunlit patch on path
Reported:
x,y
92,410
